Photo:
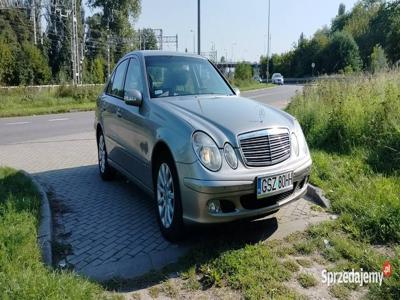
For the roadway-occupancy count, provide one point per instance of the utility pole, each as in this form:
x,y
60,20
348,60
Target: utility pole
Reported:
x,y
34,21
194,40
269,37
77,52
108,46
72,44
198,28
140,39
161,39
75,45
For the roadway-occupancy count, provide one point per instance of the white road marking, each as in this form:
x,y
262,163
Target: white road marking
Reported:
x,y
266,95
58,120
17,123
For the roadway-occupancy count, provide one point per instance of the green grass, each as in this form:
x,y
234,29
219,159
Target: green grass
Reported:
x,y
22,274
306,280
339,291
248,85
306,263
34,101
339,116
24,101
291,265
353,129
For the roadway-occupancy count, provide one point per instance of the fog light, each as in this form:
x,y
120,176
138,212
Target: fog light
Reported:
x,y
214,207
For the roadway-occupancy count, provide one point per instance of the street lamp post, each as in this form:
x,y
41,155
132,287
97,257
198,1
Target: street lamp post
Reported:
x,y
232,53
194,40
198,28
269,37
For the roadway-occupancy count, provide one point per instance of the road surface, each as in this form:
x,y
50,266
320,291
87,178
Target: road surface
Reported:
x,y
22,129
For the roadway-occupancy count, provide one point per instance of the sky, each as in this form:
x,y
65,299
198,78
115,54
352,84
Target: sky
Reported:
x,y
238,28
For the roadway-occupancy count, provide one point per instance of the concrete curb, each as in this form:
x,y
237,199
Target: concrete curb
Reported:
x,y
317,195
45,233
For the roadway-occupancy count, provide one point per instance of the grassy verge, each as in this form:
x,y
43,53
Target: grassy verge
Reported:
x,y
353,131
22,274
34,101
248,85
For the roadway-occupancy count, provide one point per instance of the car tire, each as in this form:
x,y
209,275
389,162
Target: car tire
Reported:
x,y
168,199
106,171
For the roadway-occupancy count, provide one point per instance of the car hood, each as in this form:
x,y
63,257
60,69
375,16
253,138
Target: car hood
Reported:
x,y
225,117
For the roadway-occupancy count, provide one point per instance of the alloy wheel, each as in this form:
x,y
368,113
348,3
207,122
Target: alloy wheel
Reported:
x,y
165,195
102,154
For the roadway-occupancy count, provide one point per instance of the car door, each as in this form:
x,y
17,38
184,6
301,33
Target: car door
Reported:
x,y
133,130
110,107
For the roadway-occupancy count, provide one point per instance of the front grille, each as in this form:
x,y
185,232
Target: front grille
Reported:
x,y
265,147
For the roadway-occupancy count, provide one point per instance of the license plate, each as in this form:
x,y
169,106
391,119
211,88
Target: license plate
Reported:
x,y
274,184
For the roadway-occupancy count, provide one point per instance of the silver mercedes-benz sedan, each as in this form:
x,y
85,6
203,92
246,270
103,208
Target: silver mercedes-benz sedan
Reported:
x,y
175,126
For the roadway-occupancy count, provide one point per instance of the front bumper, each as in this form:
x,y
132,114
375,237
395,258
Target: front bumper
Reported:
x,y
237,196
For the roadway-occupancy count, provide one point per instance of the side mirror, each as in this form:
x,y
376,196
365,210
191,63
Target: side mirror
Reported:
x,y
237,92
133,98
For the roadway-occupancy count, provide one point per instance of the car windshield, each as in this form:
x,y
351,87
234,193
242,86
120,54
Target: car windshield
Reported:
x,y
277,75
171,76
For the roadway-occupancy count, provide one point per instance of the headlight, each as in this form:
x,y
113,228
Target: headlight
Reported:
x,y
230,156
295,144
207,151
301,140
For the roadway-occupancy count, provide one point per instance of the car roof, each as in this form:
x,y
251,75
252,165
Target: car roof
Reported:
x,y
144,53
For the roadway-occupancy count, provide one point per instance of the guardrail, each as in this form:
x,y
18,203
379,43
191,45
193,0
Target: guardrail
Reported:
x,y
314,79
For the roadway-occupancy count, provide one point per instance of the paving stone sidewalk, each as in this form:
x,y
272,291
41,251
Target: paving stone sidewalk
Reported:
x,y
110,227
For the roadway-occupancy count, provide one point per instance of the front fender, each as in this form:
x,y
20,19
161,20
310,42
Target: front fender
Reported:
x,y
176,133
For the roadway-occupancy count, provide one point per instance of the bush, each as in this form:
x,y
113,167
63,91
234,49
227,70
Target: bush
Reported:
x,y
243,71
353,128
78,93
357,111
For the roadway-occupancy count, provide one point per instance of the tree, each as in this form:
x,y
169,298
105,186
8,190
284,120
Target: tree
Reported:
x,y
339,21
58,34
243,71
342,53
342,9
6,62
21,61
116,19
385,30
378,59
36,66
98,70
148,40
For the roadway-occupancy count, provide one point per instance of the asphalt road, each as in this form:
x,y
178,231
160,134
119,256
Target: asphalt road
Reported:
x,y
22,129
